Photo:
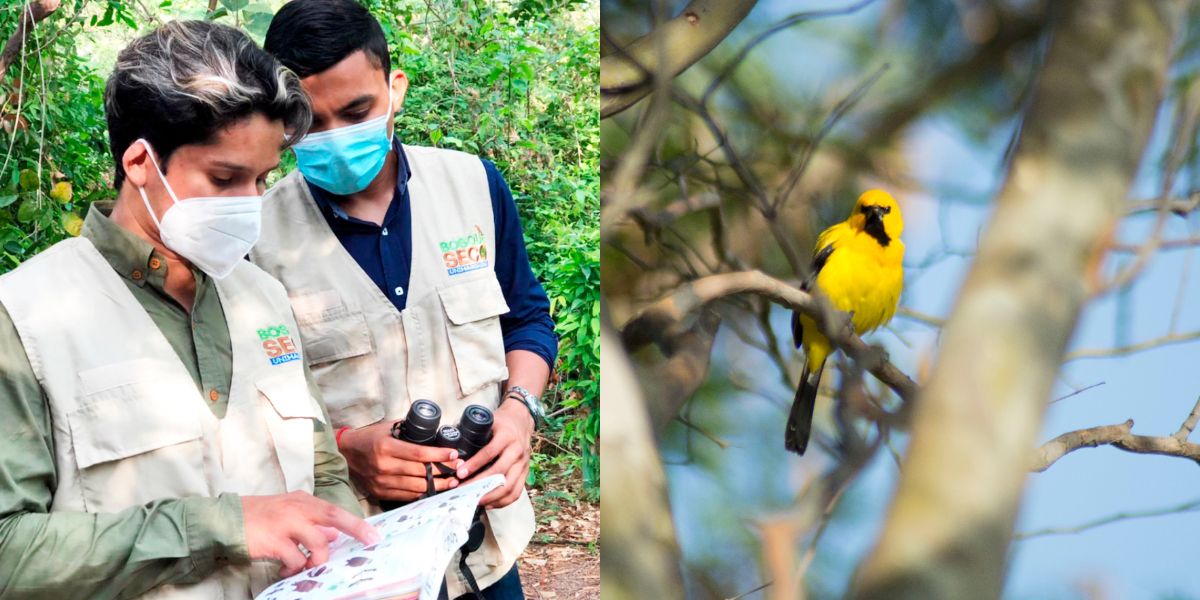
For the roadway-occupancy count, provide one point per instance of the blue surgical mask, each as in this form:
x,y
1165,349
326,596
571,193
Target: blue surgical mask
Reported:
x,y
345,160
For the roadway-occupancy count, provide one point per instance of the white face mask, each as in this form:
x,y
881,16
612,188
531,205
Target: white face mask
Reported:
x,y
212,232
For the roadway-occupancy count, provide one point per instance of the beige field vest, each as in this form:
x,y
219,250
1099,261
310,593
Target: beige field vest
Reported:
x,y
130,425
372,361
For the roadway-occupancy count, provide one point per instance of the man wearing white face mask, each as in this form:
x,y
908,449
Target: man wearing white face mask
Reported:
x,y
160,434
214,233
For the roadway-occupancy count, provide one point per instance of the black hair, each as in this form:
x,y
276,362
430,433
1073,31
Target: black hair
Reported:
x,y
310,36
185,81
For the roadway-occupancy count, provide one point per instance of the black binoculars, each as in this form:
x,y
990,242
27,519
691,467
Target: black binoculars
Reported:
x,y
423,426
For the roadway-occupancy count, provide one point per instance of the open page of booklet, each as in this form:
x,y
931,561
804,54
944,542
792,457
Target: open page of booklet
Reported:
x,y
408,564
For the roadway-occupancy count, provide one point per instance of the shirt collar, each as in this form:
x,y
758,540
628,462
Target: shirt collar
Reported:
x,y
130,256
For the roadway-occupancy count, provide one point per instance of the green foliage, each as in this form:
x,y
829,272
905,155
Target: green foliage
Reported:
x,y
516,83
56,160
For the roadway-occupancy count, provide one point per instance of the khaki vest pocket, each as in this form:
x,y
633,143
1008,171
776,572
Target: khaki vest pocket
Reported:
x,y
339,350
289,413
135,435
328,329
473,312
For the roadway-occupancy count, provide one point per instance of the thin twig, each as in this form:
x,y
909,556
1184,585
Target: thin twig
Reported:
x,y
1121,516
1189,424
920,317
794,19
835,115
1077,392
1175,338
704,432
748,592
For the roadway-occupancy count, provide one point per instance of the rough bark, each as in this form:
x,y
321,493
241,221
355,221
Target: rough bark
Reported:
x,y
950,524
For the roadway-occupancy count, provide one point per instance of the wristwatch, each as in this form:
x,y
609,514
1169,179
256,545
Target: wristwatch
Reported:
x,y
530,401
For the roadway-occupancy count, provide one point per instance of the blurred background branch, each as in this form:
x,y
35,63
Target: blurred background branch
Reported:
x,y
627,73
1191,506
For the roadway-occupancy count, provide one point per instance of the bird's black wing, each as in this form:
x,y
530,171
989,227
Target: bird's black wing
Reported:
x,y
819,260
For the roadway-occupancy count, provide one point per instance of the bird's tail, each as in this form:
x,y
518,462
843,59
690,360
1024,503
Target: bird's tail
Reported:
x,y
799,423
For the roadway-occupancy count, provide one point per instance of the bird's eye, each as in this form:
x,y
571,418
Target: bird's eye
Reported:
x,y
887,210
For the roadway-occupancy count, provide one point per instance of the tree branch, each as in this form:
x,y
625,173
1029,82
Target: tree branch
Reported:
x,y
1179,206
671,316
1189,424
1121,516
1121,436
33,13
626,75
1177,244
688,355
1174,338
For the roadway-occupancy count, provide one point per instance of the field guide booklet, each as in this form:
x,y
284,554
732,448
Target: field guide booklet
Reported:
x,y
409,564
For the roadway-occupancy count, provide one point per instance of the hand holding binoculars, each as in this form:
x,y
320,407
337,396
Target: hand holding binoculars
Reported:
x,y
422,426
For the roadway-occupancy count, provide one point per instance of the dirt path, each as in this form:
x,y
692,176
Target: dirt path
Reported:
x,y
563,562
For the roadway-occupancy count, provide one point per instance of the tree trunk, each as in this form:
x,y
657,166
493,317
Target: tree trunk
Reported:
x,y
950,524
640,555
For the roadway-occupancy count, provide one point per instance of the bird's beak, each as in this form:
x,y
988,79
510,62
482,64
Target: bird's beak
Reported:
x,y
875,214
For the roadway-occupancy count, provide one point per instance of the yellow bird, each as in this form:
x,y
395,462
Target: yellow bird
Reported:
x,y
857,265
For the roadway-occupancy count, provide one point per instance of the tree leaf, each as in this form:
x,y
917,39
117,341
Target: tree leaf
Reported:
x,y
72,223
28,210
29,179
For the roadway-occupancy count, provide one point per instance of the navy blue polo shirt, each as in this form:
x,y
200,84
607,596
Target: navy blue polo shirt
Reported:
x,y
385,253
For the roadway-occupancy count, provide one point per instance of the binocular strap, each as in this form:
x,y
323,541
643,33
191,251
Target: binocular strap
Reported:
x,y
474,534
474,540
429,488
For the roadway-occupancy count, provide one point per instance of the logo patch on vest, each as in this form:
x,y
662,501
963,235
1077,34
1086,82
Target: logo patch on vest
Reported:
x,y
278,345
464,254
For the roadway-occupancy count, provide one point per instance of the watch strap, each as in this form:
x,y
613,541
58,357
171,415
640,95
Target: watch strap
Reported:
x,y
528,400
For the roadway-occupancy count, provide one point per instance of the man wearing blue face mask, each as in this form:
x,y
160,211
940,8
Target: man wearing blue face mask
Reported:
x,y
408,274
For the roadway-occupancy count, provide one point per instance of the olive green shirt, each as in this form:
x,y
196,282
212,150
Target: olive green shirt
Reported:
x,y
172,540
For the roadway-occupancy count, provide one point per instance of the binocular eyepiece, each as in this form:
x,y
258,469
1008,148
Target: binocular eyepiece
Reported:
x,y
423,426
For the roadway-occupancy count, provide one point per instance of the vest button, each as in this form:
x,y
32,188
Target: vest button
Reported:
x,y
155,263
399,291
213,395
137,275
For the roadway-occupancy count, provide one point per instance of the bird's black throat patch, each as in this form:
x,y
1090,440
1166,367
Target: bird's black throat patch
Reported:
x,y
874,228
